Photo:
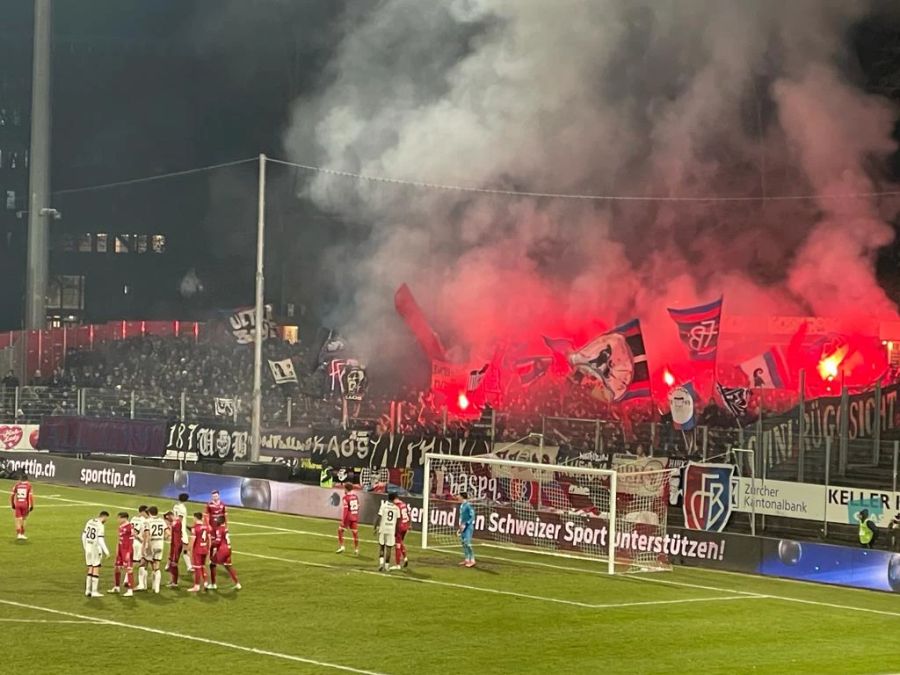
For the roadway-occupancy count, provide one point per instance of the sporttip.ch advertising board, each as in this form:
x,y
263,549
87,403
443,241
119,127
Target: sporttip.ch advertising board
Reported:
x,y
823,563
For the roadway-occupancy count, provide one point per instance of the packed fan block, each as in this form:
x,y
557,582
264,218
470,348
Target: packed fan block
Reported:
x,y
553,509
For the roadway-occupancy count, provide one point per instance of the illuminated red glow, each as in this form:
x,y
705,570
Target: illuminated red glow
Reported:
x,y
463,401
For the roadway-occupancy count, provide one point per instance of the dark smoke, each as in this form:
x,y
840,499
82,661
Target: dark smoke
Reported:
x,y
617,97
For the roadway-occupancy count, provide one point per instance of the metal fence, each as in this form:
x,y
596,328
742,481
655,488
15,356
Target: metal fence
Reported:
x,y
28,405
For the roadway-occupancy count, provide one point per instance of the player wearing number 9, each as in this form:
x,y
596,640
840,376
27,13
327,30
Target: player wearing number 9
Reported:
x,y
386,529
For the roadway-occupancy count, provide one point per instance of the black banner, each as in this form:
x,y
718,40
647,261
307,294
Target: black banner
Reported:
x,y
207,441
363,449
822,418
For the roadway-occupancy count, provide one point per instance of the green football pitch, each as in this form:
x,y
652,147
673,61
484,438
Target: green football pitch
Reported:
x,y
304,609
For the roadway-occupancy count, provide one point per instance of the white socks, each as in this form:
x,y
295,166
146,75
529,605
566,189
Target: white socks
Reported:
x,y
157,577
95,582
88,584
187,562
142,577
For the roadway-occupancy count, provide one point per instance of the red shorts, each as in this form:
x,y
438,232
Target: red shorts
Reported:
x,y
21,510
401,535
198,558
350,523
124,558
221,556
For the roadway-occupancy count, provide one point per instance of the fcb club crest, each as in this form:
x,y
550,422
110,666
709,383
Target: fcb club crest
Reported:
x,y
707,496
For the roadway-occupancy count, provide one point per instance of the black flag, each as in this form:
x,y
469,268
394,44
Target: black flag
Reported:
x,y
735,399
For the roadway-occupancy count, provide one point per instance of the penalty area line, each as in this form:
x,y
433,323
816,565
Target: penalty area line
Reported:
x,y
496,591
191,638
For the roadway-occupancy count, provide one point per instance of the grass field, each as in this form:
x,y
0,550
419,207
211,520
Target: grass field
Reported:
x,y
304,609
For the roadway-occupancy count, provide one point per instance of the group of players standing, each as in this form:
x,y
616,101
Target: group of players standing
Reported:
x,y
141,542
391,525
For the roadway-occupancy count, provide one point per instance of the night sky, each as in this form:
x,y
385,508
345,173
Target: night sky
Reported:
x,y
143,88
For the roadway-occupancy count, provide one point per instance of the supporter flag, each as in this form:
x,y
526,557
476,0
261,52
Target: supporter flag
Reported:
x,y
736,399
283,371
412,314
333,347
681,405
224,407
616,360
698,328
766,371
476,378
532,369
353,381
243,326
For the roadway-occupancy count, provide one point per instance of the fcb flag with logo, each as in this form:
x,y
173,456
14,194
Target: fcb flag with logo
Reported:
x,y
707,496
698,328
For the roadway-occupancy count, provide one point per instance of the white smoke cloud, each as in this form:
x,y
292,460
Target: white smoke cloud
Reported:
x,y
622,97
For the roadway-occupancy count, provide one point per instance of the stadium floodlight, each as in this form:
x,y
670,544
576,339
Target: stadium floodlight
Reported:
x,y
611,515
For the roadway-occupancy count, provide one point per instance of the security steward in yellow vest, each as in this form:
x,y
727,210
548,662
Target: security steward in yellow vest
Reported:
x,y
326,477
868,533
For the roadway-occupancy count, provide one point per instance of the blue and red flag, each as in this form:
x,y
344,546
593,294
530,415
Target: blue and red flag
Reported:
x,y
707,496
698,328
532,368
766,371
616,361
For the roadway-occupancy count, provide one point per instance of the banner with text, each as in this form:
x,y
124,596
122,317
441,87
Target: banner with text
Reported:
x,y
822,419
814,502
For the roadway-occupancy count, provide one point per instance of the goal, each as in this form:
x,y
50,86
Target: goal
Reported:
x,y
552,509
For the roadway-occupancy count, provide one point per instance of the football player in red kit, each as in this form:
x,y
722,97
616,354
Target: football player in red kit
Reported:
x,y
199,551
402,528
220,553
176,547
22,502
124,553
215,508
349,518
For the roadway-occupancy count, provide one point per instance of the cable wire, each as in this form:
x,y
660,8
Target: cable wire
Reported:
x,y
583,197
147,179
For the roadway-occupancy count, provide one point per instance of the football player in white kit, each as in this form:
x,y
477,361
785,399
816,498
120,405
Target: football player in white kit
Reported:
x,y
139,523
386,527
180,511
156,535
93,539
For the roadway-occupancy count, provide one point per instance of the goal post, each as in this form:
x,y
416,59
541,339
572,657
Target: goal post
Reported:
x,y
572,511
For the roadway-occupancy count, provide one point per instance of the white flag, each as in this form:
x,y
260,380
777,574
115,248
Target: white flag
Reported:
x,y
224,407
283,371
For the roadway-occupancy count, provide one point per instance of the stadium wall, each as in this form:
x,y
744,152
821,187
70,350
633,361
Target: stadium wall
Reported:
x,y
807,561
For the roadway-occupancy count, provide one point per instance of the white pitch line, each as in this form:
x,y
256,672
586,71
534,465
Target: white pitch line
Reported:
x,y
643,578
81,621
41,507
495,591
192,638
448,584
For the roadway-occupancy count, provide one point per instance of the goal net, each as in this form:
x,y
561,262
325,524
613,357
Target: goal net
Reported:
x,y
614,516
